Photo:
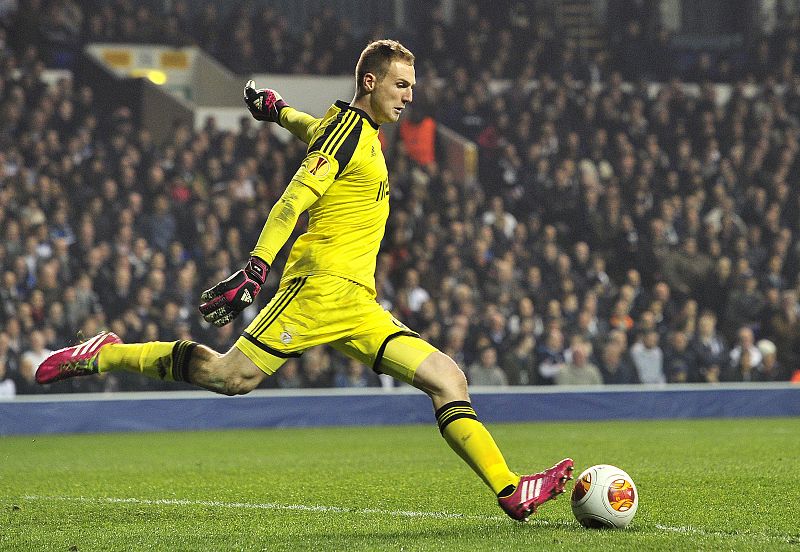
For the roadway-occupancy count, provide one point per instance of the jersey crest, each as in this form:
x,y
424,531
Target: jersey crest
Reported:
x,y
318,166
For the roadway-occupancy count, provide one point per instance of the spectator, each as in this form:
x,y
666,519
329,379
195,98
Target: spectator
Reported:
x,y
686,269
418,133
615,367
25,380
745,358
36,351
117,294
316,364
8,388
579,370
8,357
160,226
485,371
679,361
785,327
620,317
770,369
744,304
550,356
648,358
717,287
709,351
414,294
519,363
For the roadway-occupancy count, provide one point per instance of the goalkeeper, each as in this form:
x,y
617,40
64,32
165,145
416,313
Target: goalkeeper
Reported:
x,y
327,290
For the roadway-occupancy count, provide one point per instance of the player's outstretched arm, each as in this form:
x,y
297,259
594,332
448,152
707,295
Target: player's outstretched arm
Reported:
x,y
282,219
266,104
226,300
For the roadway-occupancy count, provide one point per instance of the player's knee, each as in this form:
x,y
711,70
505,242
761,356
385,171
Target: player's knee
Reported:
x,y
443,377
240,380
236,384
224,375
455,379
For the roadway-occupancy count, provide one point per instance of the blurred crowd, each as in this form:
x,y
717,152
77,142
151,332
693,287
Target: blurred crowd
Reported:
x,y
506,39
617,233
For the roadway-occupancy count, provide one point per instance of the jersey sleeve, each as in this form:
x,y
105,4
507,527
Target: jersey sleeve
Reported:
x,y
282,220
330,153
299,123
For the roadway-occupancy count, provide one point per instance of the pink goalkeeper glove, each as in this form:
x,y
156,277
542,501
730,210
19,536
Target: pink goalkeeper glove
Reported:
x,y
223,302
264,104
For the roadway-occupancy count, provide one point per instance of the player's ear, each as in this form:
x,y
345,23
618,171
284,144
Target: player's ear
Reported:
x,y
368,82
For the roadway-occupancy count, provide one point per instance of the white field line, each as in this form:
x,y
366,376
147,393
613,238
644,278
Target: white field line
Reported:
x,y
682,530
265,506
689,530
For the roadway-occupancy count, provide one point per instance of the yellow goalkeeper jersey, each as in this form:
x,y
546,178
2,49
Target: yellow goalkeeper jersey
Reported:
x,y
345,167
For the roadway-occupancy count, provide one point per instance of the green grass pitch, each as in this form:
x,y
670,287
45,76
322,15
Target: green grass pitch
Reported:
x,y
704,485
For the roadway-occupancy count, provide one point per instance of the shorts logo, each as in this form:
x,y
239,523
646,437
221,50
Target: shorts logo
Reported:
x,y
286,337
318,166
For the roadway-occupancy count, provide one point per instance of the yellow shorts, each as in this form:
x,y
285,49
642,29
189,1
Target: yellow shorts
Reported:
x,y
324,309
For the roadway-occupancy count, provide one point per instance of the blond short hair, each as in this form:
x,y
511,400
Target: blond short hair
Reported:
x,y
377,57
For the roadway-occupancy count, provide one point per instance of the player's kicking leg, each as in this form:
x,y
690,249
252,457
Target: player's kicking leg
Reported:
x,y
445,383
231,373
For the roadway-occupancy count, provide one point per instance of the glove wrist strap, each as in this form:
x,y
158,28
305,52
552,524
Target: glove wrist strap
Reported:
x,y
257,269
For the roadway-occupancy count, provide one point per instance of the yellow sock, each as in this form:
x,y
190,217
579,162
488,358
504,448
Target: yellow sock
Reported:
x,y
474,444
156,359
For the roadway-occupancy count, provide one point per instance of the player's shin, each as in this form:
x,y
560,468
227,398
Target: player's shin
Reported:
x,y
470,439
157,359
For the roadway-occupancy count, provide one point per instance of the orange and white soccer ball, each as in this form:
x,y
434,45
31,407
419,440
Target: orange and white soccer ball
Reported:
x,y
604,497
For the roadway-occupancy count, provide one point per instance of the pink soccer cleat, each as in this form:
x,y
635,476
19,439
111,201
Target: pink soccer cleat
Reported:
x,y
78,360
534,490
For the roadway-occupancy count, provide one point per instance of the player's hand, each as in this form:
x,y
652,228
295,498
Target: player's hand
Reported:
x,y
223,302
264,104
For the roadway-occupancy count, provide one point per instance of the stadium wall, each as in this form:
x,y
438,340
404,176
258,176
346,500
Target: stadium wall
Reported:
x,y
190,410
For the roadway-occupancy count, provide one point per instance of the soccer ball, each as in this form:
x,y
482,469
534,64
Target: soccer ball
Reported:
x,y
604,497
